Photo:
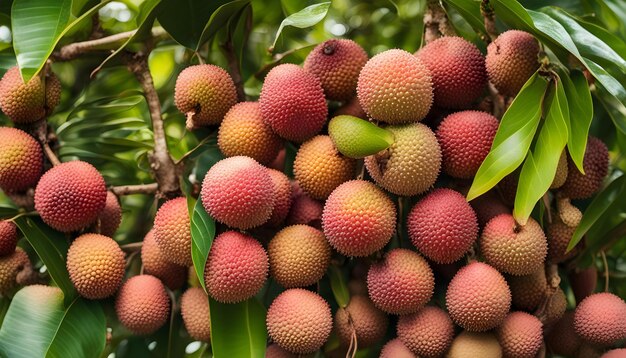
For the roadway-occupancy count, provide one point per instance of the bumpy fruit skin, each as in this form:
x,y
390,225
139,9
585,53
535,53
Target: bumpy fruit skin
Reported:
x,y
528,291
395,87
172,231
600,319
520,335
412,163
473,344
556,306
488,206
427,333
561,172
21,160
8,237
70,196
595,163
96,266
358,219
615,353
194,307
243,132
351,108
206,92
10,268
511,248
299,256
28,102
292,103
157,264
511,60
559,236
299,321
396,349
319,168
275,351
369,323
111,216
238,192
465,138
142,304
337,63
478,297
236,268
443,226
282,197
458,71
583,282
562,338
305,210
402,283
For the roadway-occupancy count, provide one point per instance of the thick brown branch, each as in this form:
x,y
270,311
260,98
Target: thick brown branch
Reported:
x,y
489,16
435,22
135,189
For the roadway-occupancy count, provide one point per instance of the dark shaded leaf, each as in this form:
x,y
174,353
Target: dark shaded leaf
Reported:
x,y
338,285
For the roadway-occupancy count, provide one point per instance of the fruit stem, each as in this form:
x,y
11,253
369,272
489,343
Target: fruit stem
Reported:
x,y
606,271
489,16
435,22
135,189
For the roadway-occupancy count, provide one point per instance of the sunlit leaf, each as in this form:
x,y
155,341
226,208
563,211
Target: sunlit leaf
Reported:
x,y
220,18
581,114
338,286
238,330
202,234
470,10
304,18
357,138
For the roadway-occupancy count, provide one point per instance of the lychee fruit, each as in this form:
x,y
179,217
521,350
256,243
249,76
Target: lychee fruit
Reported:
x,y
8,237
282,197
475,344
396,349
412,163
172,231
395,87
319,168
305,210
275,351
600,319
520,335
559,236
555,307
236,268
299,256
512,58
458,71
70,196
615,353
528,291
243,132
401,283
194,307
361,318
204,93
583,282
358,219
299,321
427,333
465,138
157,264
28,102
111,216
238,192
443,226
11,267
562,338
96,265
337,63
21,160
595,163
488,206
142,304
292,102
351,108
478,297
561,172
513,248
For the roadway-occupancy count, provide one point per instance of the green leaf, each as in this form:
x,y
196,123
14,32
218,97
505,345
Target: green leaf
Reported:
x,y
610,85
357,138
514,137
338,286
580,113
304,18
597,209
540,167
7,211
615,109
238,330
51,247
186,20
220,18
38,325
202,235
470,10
34,40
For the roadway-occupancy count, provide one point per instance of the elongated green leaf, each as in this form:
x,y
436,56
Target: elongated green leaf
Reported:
x,y
186,20
580,112
238,330
7,211
51,247
220,18
515,134
38,325
202,234
34,40
540,167
338,286
614,42
470,10
615,109
304,18
357,138
600,205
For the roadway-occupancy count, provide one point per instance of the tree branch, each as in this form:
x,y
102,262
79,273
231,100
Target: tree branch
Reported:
x,y
233,69
435,22
489,16
135,189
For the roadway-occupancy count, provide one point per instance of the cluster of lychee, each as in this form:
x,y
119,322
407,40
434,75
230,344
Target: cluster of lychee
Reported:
x,y
499,301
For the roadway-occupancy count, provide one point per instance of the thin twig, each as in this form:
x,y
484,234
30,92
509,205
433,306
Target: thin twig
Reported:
x,y
132,247
40,130
435,22
606,271
135,189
